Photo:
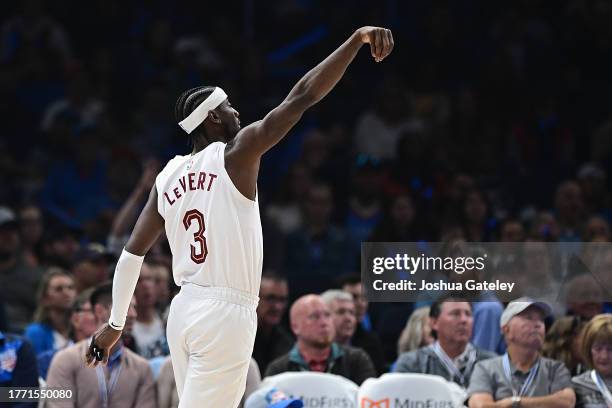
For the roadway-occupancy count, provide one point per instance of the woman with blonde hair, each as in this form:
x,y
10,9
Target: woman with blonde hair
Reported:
x,y
51,327
593,387
417,333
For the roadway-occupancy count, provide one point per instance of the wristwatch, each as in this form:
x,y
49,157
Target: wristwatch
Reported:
x,y
516,401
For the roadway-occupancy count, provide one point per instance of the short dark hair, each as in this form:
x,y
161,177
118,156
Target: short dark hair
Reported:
x,y
102,294
436,308
187,102
273,276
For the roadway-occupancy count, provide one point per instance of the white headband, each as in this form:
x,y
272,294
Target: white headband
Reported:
x,y
200,113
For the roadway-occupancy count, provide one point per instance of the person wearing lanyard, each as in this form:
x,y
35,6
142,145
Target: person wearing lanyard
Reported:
x,y
522,377
593,387
126,381
451,356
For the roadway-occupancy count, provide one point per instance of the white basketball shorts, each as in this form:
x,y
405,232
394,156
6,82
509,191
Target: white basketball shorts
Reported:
x,y
211,332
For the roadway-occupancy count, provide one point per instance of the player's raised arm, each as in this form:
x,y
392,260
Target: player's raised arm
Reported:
x,y
254,140
145,233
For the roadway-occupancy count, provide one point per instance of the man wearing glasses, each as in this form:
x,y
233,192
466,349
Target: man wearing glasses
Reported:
x,y
272,339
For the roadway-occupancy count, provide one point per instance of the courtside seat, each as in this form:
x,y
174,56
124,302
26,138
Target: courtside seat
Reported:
x,y
315,389
410,390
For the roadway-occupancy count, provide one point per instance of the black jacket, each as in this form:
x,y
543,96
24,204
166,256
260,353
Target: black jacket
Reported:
x,y
269,347
371,344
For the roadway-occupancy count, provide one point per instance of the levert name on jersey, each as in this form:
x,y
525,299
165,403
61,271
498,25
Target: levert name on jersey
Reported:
x,y
189,182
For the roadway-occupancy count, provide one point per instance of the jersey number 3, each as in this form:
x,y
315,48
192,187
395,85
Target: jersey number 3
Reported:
x,y
199,250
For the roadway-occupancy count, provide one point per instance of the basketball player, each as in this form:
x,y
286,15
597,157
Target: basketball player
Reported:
x,y
207,203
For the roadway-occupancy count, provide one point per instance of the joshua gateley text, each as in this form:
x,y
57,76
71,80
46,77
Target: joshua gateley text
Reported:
x,y
469,285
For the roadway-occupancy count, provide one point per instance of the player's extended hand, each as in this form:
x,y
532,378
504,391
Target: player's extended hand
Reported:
x,y
380,40
102,341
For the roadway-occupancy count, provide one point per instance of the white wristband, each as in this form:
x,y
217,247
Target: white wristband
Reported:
x,y
124,284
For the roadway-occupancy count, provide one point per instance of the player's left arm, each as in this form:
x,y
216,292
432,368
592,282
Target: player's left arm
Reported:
x,y
148,228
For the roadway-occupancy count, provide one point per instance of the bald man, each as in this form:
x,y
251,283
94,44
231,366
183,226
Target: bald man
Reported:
x,y
315,350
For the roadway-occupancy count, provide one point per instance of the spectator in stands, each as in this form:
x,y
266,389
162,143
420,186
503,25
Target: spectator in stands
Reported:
x,y
163,283
570,208
149,330
562,343
387,119
351,283
522,377
51,327
82,320
129,379
592,387
545,228
593,179
31,228
285,206
596,229
511,230
91,267
364,337
486,307
271,340
585,295
540,278
399,224
417,332
342,307
61,244
18,280
451,356
18,368
82,326
319,252
476,225
365,209
315,349
487,310
83,173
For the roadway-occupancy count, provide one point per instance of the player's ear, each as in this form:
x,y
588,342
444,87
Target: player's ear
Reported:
x,y
213,117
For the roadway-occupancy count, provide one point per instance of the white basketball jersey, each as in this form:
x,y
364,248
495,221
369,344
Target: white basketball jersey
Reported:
x,y
213,230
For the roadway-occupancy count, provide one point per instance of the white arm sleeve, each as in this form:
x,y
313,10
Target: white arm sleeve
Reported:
x,y
124,283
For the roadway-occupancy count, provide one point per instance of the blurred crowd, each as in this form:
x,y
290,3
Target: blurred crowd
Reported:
x,y
488,123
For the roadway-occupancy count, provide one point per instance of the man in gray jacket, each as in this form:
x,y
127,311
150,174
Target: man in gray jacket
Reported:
x,y
127,380
452,356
